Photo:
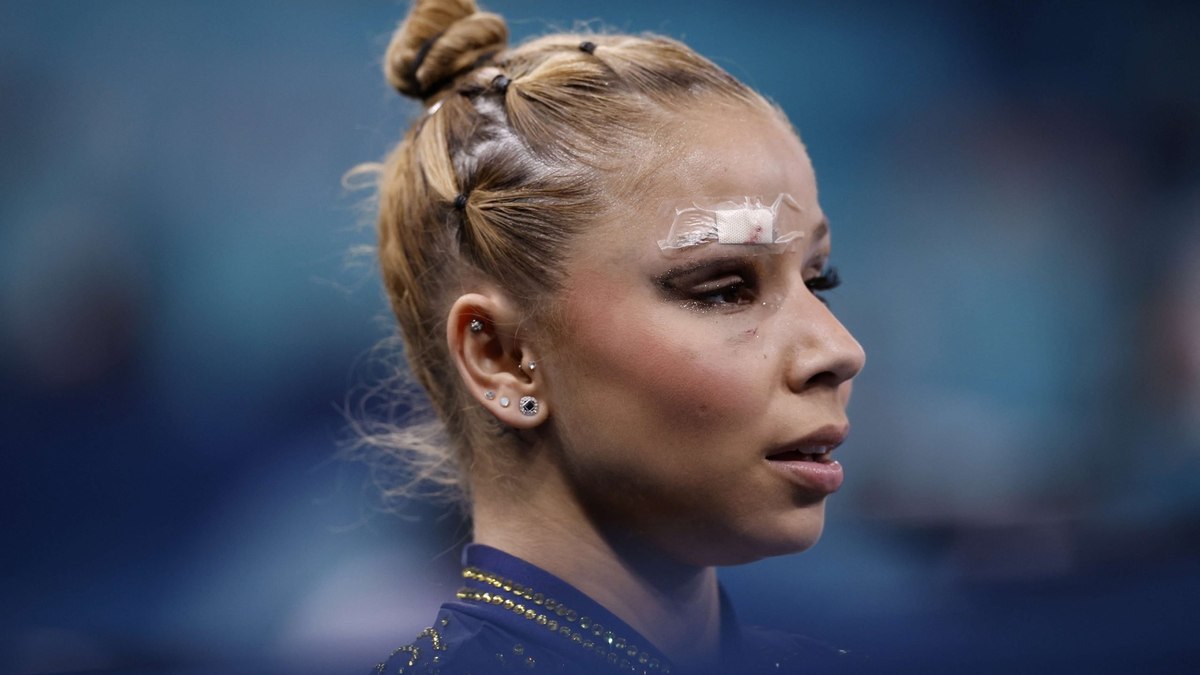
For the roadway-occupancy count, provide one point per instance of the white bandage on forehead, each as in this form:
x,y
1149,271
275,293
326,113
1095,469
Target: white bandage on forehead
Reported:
x,y
733,220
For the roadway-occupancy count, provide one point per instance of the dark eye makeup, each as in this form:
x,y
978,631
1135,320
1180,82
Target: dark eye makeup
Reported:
x,y
723,283
728,284
827,281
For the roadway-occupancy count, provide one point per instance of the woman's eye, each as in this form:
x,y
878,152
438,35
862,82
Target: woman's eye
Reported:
x,y
723,285
828,281
727,290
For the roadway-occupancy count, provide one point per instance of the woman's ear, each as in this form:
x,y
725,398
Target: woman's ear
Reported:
x,y
497,366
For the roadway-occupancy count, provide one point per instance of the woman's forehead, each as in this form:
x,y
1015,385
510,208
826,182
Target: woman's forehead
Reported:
x,y
720,152
733,173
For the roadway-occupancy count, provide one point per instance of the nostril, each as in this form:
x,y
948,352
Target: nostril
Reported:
x,y
825,378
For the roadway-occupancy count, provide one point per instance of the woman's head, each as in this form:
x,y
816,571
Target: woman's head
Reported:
x,y
518,223
518,152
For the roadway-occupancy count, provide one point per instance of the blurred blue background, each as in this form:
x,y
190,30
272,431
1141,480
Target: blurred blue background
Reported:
x,y
1015,192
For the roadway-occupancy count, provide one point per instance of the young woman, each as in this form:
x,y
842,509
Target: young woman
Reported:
x,y
606,257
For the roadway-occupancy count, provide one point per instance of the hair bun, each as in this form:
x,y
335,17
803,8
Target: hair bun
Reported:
x,y
439,41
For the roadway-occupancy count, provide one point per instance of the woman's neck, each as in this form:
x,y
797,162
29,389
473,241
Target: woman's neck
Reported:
x,y
675,606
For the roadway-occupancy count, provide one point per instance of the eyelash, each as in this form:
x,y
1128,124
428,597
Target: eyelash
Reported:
x,y
739,292
828,281
741,289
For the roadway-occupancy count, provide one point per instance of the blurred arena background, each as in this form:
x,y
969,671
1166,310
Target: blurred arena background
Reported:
x,y
1015,189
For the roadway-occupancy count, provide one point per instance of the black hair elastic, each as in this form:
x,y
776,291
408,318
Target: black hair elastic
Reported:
x,y
460,202
587,46
500,83
422,52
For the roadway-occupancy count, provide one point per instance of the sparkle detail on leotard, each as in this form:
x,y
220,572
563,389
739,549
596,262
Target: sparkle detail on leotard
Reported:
x,y
558,618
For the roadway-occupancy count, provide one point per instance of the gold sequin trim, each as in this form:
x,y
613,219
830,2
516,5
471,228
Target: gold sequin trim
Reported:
x,y
557,618
414,652
434,637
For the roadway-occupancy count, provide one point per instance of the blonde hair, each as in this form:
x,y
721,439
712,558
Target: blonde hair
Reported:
x,y
518,151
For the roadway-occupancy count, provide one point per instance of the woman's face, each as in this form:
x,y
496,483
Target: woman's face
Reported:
x,y
691,390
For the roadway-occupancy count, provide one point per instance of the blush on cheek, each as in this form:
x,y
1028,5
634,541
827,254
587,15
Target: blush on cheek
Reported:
x,y
693,383
686,372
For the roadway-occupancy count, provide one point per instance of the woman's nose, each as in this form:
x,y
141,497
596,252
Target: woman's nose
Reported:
x,y
825,354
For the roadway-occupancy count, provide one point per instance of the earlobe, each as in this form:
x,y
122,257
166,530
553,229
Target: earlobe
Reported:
x,y
497,365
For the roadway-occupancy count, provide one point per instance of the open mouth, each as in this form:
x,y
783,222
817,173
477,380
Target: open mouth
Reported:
x,y
820,455
808,462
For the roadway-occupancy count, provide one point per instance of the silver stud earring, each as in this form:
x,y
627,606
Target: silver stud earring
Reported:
x,y
503,401
529,406
476,326
489,394
532,366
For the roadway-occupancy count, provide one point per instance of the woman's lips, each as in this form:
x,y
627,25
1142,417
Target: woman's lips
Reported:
x,y
807,461
817,472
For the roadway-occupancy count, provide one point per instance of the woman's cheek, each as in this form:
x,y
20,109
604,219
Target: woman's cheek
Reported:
x,y
699,381
689,371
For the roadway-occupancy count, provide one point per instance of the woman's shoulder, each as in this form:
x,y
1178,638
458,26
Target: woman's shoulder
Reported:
x,y
513,616
510,616
464,641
